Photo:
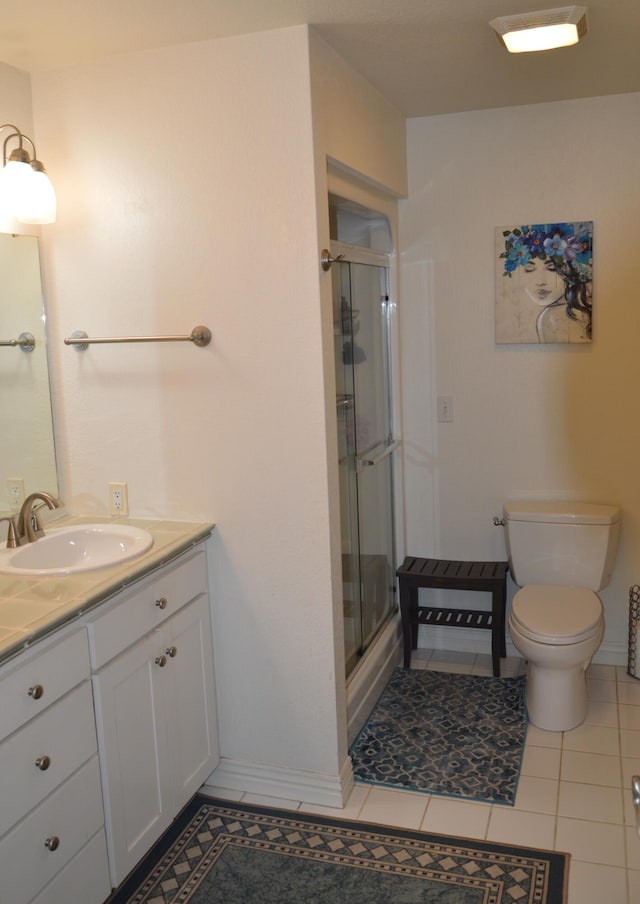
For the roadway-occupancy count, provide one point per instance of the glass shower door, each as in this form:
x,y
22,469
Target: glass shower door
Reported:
x,y
366,446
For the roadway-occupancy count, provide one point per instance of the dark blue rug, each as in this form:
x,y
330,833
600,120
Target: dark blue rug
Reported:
x,y
448,734
226,853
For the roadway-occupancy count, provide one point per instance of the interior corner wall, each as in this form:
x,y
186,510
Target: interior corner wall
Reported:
x,y
355,126
359,133
528,420
186,192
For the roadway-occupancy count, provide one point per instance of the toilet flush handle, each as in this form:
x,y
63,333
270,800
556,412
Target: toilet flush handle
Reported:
x,y
499,522
635,787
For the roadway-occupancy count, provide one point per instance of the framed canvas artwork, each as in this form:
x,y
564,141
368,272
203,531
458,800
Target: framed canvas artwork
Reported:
x,y
544,278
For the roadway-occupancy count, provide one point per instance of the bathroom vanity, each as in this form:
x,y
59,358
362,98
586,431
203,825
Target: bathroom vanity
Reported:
x,y
107,716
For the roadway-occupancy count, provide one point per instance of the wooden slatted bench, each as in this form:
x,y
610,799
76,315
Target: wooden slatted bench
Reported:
x,y
490,577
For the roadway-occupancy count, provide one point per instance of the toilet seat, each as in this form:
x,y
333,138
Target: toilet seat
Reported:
x,y
556,615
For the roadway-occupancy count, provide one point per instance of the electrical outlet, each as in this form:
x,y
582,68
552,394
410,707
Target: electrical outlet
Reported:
x,y
118,499
15,485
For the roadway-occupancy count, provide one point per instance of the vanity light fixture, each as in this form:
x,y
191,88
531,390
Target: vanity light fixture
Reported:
x,y
26,191
545,29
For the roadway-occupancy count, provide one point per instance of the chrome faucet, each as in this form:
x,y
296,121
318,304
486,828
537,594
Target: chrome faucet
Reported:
x,y
28,527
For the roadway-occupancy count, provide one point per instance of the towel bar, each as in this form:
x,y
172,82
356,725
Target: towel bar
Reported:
x,y
199,335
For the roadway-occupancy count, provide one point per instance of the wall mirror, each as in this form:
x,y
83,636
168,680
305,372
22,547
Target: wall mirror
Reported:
x,y
27,450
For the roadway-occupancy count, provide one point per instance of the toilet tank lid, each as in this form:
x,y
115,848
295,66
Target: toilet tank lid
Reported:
x,y
561,512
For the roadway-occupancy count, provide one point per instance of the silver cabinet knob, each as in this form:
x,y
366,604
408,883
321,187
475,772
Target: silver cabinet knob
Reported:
x,y
161,661
162,602
36,691
52,843
43,763
171,651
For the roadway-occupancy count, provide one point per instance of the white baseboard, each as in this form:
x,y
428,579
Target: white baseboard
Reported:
x,y
612,652
288,784
472,641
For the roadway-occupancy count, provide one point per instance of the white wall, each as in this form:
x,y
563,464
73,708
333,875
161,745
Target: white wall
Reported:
x,y
532,420
187,193
186,196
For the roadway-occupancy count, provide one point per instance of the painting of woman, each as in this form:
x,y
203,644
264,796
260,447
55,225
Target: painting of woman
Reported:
x,y
544,283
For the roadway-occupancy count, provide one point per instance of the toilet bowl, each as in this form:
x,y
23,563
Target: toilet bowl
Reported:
x,y
557,629
560,554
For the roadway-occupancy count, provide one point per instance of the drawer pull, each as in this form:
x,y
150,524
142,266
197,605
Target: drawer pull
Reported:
x,y
43,763
52,843
162,602
171,651
36,691
161,661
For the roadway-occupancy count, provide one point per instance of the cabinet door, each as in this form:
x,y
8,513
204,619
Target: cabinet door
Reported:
x,y
132,736
193,725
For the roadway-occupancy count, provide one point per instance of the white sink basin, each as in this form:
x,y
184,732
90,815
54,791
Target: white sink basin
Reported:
x,y
68,550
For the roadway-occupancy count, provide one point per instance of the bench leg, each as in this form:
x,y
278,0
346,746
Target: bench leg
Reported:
x,y
503,607
495,648
498,645
409,618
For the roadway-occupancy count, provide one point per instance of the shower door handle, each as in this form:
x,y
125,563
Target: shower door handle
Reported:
x,y
372,462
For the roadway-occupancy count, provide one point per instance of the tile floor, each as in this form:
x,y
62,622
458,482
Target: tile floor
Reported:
x,y
574,792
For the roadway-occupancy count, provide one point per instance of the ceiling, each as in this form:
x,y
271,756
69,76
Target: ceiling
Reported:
x,y
426,56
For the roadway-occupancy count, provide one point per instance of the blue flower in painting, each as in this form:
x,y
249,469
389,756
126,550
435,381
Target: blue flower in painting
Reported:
x,y
566,245
555,245
519,253
535,241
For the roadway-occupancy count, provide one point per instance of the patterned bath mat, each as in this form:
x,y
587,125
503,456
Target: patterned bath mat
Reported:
x,y
442,733
225,853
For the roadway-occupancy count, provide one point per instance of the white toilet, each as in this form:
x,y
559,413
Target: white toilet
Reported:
x,y
559,554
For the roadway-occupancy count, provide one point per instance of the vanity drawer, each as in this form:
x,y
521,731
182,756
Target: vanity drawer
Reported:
x,y
146,607
84,880
70,816
45,752
41,679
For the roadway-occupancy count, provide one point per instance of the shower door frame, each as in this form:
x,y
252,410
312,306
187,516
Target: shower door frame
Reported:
x,y
355,254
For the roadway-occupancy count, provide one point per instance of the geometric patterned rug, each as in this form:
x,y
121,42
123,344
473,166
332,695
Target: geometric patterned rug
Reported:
x,y
226,853
445,734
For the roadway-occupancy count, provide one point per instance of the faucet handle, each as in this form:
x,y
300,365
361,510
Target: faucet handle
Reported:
x,y
35,521
12,539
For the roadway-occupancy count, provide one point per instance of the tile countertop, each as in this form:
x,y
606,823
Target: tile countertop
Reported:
x,y
33,607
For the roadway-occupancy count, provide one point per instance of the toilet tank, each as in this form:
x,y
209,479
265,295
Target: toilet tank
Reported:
x,y
571,544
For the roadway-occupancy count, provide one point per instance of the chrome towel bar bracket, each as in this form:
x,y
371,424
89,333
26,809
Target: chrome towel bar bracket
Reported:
x,y
326,260
25,341
199,335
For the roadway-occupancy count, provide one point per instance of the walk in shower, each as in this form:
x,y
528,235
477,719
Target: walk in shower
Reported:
x,y
366,439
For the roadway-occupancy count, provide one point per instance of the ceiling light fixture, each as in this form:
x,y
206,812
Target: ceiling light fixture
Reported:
x,y
26,192
545,29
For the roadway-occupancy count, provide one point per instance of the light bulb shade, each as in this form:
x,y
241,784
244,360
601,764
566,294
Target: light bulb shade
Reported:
x,y
37,200
14,180
546,37
542,30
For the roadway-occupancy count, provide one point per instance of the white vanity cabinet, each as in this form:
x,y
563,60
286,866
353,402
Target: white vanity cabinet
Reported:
x,y
152,659
52,839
